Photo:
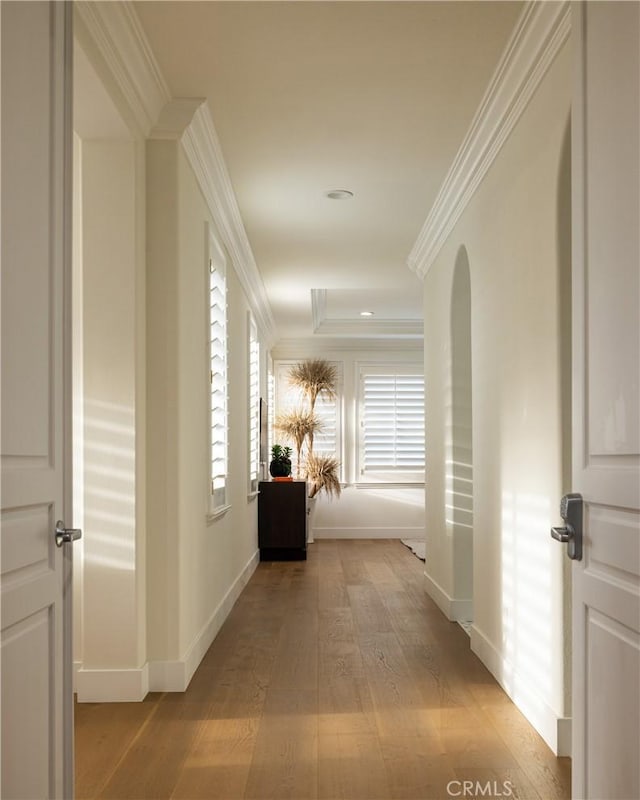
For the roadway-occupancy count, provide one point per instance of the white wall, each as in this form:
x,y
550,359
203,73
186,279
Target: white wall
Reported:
x,y
195,567
110,640
514,232
361,512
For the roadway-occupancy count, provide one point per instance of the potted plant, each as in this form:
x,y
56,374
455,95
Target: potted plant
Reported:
x,y
280,466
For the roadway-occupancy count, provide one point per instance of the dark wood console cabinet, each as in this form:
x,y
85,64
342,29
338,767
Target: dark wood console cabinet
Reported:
x,y
282,520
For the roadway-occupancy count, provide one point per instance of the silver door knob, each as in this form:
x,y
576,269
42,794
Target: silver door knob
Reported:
x,y
64,535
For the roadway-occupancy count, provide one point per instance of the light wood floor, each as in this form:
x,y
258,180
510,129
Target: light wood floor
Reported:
x,y
334,678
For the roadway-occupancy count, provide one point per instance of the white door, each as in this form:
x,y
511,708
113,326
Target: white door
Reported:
x,y
606,454
36,167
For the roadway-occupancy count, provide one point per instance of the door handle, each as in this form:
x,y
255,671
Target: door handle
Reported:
x,y
64,535
571,533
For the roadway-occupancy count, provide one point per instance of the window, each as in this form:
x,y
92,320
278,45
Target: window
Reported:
x,y
254,406
391,424
328,441
217,379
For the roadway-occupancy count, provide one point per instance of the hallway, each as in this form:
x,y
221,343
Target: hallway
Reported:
x,y
332,678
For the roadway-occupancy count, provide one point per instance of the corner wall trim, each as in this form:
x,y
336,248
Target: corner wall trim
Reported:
x,y
540,33
455,610
174,676
555,730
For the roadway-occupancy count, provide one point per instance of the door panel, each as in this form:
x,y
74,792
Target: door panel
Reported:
x,y
27,232
26,647
606,390
36,703
612,68
613,661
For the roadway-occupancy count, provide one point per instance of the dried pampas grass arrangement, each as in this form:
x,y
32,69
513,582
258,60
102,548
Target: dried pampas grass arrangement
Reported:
x,y
297,425
315,377
322,473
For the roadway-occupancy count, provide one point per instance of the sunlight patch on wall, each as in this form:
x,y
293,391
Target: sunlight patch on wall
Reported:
x,y
526,582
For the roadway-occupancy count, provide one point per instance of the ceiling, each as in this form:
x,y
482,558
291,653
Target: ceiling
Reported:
x,y
374,97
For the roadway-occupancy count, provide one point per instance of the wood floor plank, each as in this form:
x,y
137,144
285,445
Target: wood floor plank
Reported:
x,y
296,661
355,572
416,767
479,748
345,706
369,613
339,659
383,656
285,756
222,753
336,625
152,764
351,767
103,734
332,590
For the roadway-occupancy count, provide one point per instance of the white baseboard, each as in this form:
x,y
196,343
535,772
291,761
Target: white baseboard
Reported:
x,y
132,685
455,610
112,685
556,731
167,676
174,676
368,533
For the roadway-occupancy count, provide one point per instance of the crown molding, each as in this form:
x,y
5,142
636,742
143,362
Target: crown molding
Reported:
x,y
202,147
540,33
113,32
301,348
324,326
366,328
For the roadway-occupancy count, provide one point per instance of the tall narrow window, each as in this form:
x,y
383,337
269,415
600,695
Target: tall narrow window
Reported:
x,y
391,408
217,381
254,406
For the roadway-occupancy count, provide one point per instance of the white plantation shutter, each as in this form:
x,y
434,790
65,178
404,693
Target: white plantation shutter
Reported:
x,y
254,410
218,384
391,424
326,441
